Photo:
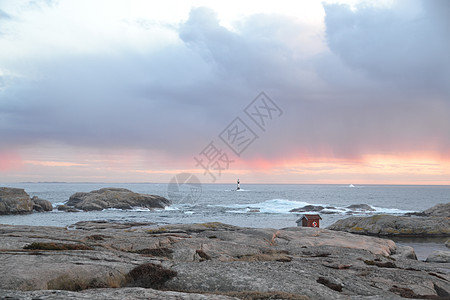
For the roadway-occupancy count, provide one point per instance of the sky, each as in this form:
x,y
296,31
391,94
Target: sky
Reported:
x,y
340,92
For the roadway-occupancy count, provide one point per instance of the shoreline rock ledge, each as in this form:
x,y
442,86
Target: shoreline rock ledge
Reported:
x,y
433,222
209,261
119,198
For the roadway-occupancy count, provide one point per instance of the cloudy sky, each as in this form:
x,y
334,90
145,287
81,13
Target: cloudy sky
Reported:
x,y
138,91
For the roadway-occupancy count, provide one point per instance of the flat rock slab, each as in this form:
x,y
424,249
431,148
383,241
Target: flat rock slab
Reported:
x,y
112,294
215,258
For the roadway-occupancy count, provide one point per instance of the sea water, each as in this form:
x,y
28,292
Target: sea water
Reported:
x,y
255,205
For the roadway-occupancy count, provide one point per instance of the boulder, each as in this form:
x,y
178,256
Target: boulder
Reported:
x,y
447,243
41,204
14,201
115,198
439,256
388,225
405,252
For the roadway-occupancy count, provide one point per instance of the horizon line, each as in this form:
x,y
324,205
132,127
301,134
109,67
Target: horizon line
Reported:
x,y
225,183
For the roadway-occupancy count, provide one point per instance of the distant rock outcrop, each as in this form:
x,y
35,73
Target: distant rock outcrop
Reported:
x,y
360,207
41,204
115,198
14,201
308,208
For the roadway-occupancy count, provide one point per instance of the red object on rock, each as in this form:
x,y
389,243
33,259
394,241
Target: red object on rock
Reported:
x,y
309,220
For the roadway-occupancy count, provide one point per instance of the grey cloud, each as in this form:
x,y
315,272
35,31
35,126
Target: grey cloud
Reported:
x,y
390,44
348,101
4,15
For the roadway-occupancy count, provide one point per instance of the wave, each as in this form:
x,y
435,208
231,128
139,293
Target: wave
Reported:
x,y
276,206
284,206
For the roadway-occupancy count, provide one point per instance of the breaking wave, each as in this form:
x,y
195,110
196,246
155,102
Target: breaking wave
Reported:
x,y
284,206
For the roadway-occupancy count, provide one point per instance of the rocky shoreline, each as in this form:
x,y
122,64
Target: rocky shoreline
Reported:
x,y
14,201
106,260
209,261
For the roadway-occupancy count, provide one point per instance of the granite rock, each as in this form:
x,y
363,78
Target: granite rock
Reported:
x,y
388,225
14,201
108,293
214,259
115,198
440,210
440,256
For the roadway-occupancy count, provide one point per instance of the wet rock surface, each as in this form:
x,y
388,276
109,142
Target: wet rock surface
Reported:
x,y
114,198
209,261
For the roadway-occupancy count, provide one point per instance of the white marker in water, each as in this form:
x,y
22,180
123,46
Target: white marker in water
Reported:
x,y
238,185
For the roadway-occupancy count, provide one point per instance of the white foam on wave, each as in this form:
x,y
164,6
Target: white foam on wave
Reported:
x,y
390,211
284,206
274,206
171,208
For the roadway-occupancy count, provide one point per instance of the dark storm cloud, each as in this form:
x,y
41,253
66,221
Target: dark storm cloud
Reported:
x,y
379,89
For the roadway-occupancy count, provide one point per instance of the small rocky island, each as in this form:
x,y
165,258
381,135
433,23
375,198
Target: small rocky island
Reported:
x,y
113,198
17,201
14,201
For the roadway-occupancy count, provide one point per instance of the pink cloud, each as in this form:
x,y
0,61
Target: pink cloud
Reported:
x,y
9,160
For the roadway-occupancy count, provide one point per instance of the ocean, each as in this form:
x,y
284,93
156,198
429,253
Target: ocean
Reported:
x,y
255,205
